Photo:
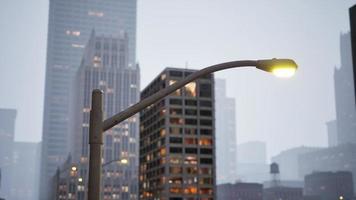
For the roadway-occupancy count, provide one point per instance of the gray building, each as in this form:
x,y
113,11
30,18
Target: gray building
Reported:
x,y
69,27
282,192
25,171
177,140
288,162
330,185
105,66
7,135
344,94
339,158
226,163
332,133
240,191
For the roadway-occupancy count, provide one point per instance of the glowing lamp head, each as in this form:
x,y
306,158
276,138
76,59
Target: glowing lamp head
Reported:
x,y
283,68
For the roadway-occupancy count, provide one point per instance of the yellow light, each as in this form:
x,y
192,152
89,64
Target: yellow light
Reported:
x,y
341,197
74,168
284,72
80,179
284,68
124,161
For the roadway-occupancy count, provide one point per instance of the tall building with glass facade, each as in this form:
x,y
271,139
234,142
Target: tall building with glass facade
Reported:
x,y
105,66
226,144
177,140
70,25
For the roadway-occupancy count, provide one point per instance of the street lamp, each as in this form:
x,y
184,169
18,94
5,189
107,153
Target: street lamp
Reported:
x,y
279,67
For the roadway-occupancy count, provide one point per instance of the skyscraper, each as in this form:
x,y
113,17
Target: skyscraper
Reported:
x,y
177,140
7,134
105,66
226,144
344,94
69,28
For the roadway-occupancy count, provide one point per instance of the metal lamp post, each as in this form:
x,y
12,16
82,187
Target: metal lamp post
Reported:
x,y
279,67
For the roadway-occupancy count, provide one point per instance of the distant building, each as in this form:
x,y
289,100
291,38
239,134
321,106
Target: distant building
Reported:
x,y
177,140
288,162
284,193
352,14
7,135
69,26
226,163
344,94
25,171
330,185
332,133
339,158
239,191
105,66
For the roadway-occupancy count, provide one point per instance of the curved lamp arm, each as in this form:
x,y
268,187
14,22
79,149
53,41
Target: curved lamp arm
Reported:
x,y
114,120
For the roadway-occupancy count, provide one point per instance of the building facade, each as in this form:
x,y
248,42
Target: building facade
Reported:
x,y
288,162
25,171
69,27
226,165
339,158
177,140
330,185
7,135
344,94
240,191
105,66
281,192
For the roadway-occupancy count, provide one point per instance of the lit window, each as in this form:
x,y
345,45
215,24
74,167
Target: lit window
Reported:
x,y
95,13
78,46
190,89
190,190
205,142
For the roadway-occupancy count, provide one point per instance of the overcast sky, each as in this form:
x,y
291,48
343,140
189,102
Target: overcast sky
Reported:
x,y
199,33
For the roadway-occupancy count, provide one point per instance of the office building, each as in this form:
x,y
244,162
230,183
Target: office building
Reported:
x,y
344,94
330,185
69,28
7,134
288,162
339,158
240,191
24,174
226,163
177,140
282,192
332,133
105,66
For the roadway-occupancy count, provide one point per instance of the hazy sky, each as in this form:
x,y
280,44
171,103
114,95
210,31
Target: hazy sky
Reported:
x,y
199,33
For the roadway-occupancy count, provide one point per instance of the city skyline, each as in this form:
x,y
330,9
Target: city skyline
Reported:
x,y
250,108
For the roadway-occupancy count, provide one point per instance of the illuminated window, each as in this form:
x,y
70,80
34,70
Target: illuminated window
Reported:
x,y
205,181
175,170
177,92
78,46
208,191
175,111
192,170
191,160
176,180
95,13
162,132
204,170
190,89
190,141
205,142
162,151
175,160
175,190
175,130
190,190
177,121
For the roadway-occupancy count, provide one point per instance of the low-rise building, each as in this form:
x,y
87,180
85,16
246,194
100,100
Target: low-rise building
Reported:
x,y
240,191
282,192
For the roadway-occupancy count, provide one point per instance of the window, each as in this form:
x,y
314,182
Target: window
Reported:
x,y
206,151
205,170
190,141
191,150
205,90
176,121
175,160
205,103
175,130
175,150
190,190
190,121
175,111
175,102
191,131
190,89
206,122
176,73
206,113
190,102
205,142
206,161
175,140
191,160
190,112
206,191
176,180
175,170
191,170
206,131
